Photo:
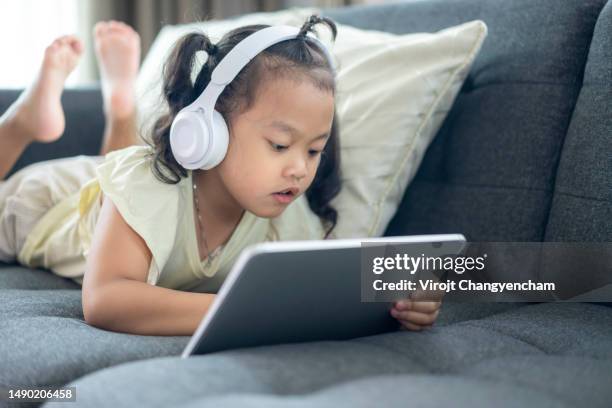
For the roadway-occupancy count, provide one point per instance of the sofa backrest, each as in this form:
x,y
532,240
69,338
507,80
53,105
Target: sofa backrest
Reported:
x,y
491,172
525,153
582,201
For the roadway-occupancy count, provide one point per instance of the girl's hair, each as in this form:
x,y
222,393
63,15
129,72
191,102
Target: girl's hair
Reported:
x,y
284,59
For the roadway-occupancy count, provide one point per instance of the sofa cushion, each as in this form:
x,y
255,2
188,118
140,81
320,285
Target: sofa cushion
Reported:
x,y
19,277
582,203
490,171
537,355
49,324
45,341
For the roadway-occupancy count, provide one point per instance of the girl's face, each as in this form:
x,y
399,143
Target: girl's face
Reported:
x,y
276,145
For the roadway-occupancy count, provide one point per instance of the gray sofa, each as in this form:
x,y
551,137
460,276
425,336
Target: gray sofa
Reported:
x,y
524,155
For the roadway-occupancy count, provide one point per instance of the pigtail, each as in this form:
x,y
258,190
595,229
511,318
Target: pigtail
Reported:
x,y
308,26
177,87
178,92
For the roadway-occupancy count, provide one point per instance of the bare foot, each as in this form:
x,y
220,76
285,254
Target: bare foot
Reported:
x,y
38,113
118,52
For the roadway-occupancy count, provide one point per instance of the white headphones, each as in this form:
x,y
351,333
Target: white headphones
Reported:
x,y
199,136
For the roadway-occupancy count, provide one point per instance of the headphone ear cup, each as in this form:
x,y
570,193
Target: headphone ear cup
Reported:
x,y
219,142
192,144
189,139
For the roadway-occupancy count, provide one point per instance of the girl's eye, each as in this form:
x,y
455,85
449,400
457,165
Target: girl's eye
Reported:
x,y
277,147
314,152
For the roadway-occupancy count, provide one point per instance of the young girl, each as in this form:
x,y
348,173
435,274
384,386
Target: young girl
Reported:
x,y
150,241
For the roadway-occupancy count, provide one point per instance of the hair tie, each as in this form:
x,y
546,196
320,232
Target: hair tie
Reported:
x,y
213,49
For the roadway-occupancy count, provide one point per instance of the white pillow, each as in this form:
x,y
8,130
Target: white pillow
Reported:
x,y
393,93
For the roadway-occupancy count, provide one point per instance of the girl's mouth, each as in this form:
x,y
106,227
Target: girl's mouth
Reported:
x,y
285,196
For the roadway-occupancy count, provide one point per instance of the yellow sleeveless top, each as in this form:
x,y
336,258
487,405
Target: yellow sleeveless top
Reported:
x,y
162,214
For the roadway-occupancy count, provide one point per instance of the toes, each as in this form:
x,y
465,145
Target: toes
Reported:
x,y
128,28
121,27
115,24
119,24
100,28
71,41
76,45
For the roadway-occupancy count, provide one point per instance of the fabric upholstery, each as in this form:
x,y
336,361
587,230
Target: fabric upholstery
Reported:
x,y
490,171
49,324
582,201
45,341
15,276
525,356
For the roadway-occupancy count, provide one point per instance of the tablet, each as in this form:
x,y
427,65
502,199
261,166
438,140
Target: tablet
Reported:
x,y
299,291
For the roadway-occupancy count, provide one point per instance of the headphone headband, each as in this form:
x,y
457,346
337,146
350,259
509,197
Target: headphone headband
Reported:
x,y
239,56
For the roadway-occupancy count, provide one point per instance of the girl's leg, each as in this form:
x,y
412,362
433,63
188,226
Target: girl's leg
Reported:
x,y
31,192
118,52
13,141
37,114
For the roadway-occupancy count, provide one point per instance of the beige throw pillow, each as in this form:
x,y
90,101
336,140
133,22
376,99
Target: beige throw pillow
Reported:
x,y
394,91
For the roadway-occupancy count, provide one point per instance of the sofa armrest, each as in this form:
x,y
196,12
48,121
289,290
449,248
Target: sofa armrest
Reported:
x,y
84,126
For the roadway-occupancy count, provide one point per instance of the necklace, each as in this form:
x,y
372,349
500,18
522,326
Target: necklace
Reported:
x,y
209,256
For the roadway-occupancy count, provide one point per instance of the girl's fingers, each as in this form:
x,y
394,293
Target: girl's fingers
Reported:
x,y
426,307
420,306
414,317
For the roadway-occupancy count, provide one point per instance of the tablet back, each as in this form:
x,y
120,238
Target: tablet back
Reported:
x,y
285,292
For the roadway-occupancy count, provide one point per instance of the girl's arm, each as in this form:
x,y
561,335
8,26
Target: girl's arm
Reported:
x,y
115,293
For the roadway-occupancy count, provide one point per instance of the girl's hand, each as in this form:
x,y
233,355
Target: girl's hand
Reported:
x,y
415,315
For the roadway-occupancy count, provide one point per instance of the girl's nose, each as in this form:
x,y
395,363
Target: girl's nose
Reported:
x,y
298,168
